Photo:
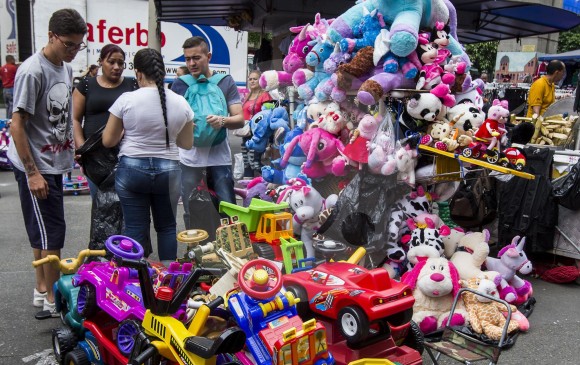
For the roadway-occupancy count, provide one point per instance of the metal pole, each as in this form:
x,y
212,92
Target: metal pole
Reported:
x,y
154,28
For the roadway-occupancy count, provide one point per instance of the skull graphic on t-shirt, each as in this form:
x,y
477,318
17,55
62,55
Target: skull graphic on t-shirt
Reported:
x,y
57,103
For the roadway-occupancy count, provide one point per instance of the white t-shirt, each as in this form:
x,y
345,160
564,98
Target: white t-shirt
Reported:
x,y
143,122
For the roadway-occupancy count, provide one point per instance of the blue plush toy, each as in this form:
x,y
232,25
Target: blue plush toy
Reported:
x,y
365,32
405,18
264,124
319,53
275,173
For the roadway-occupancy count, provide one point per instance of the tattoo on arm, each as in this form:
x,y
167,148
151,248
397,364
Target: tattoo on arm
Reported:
x,y
29,166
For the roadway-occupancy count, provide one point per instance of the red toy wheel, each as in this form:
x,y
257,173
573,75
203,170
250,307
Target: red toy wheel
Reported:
x,y
262,285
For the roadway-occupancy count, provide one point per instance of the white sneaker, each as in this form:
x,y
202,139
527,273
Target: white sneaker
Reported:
x,y
38,298
51,307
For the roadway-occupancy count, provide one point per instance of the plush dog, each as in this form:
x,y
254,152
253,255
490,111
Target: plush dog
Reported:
x,y
435,283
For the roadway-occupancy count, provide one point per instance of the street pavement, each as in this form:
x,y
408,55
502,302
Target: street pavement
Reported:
x,y
553,337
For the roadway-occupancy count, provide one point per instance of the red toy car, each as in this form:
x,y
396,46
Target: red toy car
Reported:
x,y
356,297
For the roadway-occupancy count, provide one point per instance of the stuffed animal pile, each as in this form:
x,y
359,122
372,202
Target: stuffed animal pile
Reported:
x,y
341,71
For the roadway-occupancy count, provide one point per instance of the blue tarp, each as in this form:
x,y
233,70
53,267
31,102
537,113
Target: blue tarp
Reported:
x,y
569,57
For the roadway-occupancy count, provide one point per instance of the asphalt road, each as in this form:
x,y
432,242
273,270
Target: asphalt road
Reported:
x,y
553,337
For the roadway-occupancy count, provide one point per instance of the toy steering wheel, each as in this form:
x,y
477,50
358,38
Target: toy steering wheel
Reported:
x,y
124,247
261,285
330,248
192,236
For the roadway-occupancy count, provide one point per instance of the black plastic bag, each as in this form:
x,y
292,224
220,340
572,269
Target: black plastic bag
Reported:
x,y
98,162
106,217
567,189
203,212
362,213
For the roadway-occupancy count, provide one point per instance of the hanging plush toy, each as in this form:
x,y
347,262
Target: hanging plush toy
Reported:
x,y
275,173
365,32
425,108
295,59
321,149
263,126
431,73
404,17
357,149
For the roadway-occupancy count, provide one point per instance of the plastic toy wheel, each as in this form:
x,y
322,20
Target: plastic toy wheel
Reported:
x,y
504,162
124,247
520,166
126,333
467,152
63,341
492,156
262,285
192,236
354,324
77,357
87,301
415,338
264,250
302,307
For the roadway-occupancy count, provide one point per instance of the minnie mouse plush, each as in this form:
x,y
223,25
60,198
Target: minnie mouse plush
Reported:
x,y
431,72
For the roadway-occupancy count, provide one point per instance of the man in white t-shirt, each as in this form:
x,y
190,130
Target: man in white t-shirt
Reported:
x,y
215,161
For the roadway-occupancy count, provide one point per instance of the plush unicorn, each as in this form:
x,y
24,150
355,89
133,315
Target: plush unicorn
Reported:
x,y
315,58
512,259
295,59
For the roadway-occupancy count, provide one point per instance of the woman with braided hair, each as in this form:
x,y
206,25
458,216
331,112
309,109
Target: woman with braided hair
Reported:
x,y
150,123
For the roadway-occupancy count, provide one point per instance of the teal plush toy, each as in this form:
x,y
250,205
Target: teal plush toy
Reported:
x,y
405,18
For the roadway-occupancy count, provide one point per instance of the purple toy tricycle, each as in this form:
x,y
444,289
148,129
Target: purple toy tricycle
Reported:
x,y
116,290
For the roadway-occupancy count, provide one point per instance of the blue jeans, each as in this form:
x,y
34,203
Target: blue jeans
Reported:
x,y
223,184
8,95
145,186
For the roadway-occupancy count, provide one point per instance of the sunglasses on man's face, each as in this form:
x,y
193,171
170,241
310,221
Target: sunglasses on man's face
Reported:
x,y
70,46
